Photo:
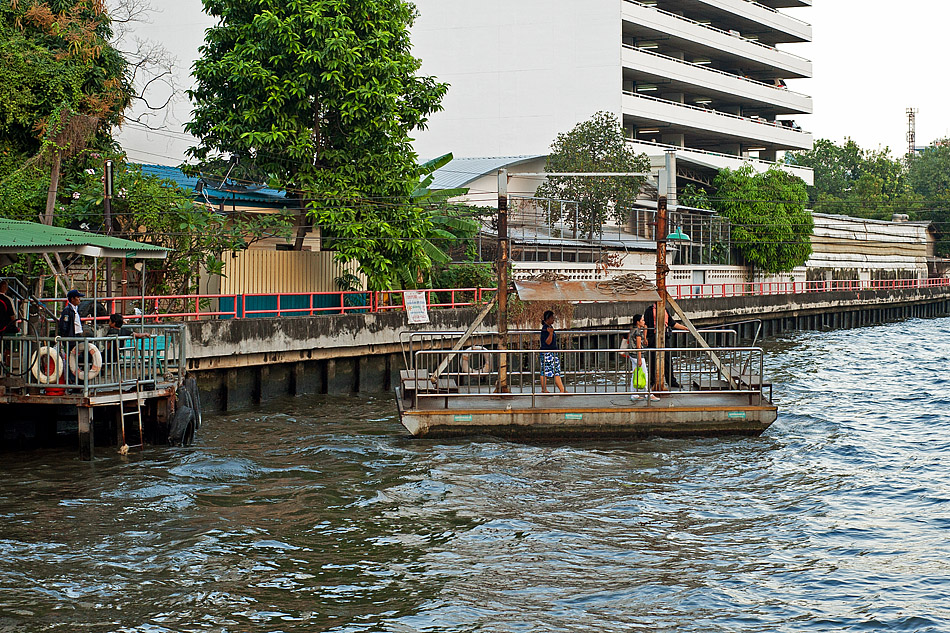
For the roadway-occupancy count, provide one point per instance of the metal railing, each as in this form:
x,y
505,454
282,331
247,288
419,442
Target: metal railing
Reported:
x,y
758,121
679,148
707,68
718,30
96,364
585,372
198,307
784,15
747,289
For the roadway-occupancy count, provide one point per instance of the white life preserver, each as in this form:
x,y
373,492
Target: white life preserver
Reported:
x,y
89,372
40,363
467,358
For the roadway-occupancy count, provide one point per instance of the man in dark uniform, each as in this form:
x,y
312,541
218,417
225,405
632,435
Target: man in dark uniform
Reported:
x,y
70,326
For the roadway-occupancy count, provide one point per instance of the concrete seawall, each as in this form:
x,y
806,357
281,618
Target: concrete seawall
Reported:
x,y
240,363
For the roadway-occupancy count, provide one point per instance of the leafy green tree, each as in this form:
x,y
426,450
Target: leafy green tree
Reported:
x,y
928,175
452,226
771,228
596,145
322,95
63,84
853,181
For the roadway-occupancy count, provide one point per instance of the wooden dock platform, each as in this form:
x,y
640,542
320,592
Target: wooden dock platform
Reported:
x,y
588,415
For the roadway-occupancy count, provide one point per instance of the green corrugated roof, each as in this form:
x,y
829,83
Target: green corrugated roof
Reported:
x,y
31,237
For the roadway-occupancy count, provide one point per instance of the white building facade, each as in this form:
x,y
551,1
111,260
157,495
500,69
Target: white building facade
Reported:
x,y
706,77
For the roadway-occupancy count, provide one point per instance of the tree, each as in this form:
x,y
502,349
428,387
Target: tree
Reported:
x,y
928,175
597,145
63,84
322,95
65,89
771,228
853,181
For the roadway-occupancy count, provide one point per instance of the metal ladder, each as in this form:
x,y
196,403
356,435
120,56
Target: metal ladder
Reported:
x,y
135,414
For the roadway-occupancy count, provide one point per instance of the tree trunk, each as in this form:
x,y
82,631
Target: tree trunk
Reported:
x,y
302,226
53,186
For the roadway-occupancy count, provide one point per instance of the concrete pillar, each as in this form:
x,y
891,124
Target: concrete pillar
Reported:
x,y
372,374
342,377
275,382
242,388
310,378
87,440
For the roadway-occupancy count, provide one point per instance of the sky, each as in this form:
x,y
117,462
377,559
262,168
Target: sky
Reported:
x,y
872,59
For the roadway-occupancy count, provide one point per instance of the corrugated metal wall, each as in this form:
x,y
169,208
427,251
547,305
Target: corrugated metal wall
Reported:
x,y
279,272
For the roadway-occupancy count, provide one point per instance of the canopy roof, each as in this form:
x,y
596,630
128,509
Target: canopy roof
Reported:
x,y
31,237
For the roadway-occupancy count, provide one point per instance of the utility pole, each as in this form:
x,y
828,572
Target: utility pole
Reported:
x,y
501,264
911,132
107,210
659,316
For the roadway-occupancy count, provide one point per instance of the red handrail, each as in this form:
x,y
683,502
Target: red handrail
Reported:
x,y
394,300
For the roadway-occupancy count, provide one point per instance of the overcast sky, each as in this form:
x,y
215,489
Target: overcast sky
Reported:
x,y
873,59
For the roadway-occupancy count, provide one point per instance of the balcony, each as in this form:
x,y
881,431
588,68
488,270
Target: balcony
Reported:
x,y
706,126
709,84
697,39
717,160
785,4
750,17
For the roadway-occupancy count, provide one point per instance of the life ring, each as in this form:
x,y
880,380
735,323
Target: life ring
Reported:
x,y
44,359
466,360
88,373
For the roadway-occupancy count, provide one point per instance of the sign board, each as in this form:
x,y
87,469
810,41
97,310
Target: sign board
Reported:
x,y
415,302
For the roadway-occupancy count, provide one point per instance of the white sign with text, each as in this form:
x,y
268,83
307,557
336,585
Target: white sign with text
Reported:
x,y
415,301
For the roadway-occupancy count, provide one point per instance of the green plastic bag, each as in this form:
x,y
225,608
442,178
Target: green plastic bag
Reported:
x,y
640,377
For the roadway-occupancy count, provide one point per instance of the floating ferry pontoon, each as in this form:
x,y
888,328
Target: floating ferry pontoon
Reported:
x,y
490,383
463,398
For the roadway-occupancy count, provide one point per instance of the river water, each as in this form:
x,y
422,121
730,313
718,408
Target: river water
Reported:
x,y
320,514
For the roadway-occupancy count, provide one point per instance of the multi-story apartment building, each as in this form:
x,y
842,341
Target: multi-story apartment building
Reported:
x,y
707,77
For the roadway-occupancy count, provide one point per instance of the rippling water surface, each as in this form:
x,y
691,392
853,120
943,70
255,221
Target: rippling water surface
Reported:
x,y
320,514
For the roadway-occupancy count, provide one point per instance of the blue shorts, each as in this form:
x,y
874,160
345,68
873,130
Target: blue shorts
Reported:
x,y
550,364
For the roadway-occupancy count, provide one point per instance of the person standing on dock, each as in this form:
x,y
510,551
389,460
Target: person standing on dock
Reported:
x,y
650,318
70,323
70,326
9,323
636,339
550,363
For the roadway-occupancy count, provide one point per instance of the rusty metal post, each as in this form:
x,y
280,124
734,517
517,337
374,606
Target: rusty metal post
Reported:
x,y
659,317
502,270
107,211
